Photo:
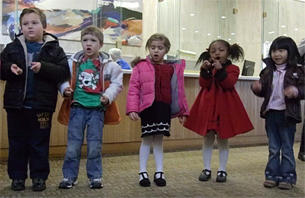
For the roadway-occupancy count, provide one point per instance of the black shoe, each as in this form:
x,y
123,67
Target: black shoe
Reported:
x,y
301,156
205,175
18,184
38,184
221,176
144,182
160,181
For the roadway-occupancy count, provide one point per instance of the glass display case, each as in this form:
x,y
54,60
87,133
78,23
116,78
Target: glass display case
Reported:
x,y
192,25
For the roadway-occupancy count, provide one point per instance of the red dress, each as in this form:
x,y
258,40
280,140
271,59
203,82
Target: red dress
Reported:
x,y
218,107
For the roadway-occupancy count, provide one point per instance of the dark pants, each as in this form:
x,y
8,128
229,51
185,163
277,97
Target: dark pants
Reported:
x,y
302,146
29,136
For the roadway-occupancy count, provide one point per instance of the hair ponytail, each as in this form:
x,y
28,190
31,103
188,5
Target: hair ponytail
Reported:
x,y
236,52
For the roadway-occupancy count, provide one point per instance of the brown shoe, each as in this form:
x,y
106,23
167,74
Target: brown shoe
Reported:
x,y
270,184
285,185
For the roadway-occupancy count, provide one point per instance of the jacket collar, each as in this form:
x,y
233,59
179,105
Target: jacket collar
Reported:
x,y
103,57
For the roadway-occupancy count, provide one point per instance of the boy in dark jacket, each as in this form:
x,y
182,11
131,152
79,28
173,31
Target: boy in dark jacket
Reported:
x,y
33,65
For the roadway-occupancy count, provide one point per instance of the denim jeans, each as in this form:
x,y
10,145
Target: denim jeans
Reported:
x,y
281,162
80,118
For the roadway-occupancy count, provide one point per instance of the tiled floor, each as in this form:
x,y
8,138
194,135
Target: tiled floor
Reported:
x,y
245,177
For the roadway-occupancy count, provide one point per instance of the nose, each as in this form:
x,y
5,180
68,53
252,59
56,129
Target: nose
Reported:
x,y
156,50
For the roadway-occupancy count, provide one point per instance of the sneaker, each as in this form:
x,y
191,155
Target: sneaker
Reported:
x,y
67,183
285,186
95,183
270,183
144,181
205,175
301,156
18,184
221,176
160,181
38,184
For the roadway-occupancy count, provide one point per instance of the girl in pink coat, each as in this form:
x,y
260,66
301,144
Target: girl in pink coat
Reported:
x,y
156,94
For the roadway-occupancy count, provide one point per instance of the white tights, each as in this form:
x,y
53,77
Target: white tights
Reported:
x,y
223,145
157,141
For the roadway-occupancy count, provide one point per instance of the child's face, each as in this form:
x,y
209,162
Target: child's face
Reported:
x,y
219,51
157,51
91,46
32,28
279,56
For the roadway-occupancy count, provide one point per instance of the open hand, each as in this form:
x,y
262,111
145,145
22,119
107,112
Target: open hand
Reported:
x,y
16,70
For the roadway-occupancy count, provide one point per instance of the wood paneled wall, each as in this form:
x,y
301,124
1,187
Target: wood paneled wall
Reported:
x,y
125,137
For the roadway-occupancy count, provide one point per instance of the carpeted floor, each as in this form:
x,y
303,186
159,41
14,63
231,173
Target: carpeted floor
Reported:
x,y
245,177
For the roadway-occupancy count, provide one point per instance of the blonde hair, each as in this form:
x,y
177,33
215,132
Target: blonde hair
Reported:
x,y
43,18
95,31
158,37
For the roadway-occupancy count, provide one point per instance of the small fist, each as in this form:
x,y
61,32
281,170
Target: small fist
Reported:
x,y
257,86
182,119
35,66
68,91
291,92
133,116
104,100
206,65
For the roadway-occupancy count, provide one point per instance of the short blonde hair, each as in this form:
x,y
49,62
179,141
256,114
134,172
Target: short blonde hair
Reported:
x,y
95,31
37,11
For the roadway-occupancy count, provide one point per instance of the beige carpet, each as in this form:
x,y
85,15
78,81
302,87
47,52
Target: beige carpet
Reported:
x,y
245,177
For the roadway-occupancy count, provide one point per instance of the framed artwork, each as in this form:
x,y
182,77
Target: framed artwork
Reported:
x,y
120,20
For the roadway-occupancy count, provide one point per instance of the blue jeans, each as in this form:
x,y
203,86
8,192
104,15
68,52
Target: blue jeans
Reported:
x,y
281,162
80,118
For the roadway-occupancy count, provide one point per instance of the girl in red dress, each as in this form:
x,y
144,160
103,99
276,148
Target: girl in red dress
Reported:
x,y
218,109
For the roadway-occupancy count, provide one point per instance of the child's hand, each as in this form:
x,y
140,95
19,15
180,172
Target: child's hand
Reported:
x,y
104,100
182,119
291,92
16,70
257,86
216,64
35,66
68,91
206,65
133,116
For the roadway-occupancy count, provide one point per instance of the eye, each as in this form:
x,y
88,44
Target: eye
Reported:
x,y
161,48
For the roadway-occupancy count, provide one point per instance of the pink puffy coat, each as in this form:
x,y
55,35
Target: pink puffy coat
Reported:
x,y
141,91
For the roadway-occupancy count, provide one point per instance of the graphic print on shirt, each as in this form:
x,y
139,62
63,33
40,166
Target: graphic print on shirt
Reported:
x,y
89,78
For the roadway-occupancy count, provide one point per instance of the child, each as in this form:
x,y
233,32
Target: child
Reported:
x,y
91,71
301,155
281,84
116,55
218,109
156,94
33,65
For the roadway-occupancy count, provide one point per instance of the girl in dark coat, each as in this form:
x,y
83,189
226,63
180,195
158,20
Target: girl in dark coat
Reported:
x,y
281,84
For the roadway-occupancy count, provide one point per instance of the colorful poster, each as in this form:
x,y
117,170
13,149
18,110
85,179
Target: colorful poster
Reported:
x,y
120,20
